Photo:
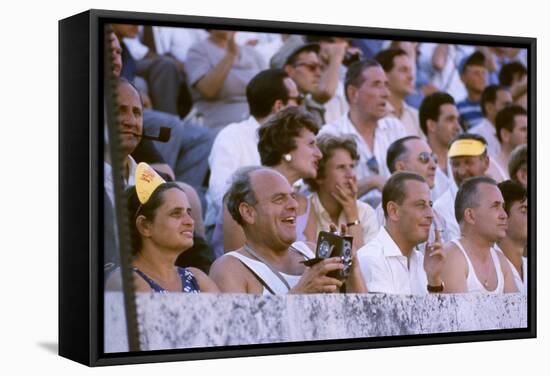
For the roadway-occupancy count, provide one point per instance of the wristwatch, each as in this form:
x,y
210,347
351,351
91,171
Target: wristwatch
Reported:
x,y
356,222
436,288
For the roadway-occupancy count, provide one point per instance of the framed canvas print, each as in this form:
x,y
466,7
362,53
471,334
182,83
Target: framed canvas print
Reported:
x,y
243,187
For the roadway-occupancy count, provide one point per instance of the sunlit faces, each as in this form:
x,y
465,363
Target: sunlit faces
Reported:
x,y
401,78
517,222
172,227
306,71
414,215
488,216
130,117
468,167
419,159
475,78
519,134
339,170
447,126
306,155
371,98
116,54
274,215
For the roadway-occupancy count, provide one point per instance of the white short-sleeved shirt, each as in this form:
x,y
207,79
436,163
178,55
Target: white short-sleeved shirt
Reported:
x,y
444,215
235,146
409,119
385,268
387,131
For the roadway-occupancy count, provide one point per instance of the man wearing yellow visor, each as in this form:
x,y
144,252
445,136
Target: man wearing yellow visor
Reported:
x,y
468,158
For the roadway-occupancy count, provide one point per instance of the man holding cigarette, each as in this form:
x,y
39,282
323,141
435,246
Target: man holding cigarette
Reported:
x,y
391,263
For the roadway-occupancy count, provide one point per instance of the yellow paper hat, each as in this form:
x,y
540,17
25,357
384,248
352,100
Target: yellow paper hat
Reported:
x,y
466,148
147,180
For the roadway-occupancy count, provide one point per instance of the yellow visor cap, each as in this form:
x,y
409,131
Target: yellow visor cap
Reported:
x,y
147,180
466,148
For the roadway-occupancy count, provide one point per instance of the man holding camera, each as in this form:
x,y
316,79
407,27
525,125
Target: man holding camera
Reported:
x,y
391,263
271,262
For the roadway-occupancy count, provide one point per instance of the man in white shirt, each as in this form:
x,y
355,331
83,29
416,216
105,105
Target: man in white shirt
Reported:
x,y
367,121
511,127
391,263
262,201
468,155
439,120
514,243
472,263
493,99
236,145
334,198
400,70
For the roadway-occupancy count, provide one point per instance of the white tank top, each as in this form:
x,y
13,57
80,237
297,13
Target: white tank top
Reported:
x,y
263,272
472,282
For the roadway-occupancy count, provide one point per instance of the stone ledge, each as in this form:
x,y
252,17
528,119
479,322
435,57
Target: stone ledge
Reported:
x,y
175,321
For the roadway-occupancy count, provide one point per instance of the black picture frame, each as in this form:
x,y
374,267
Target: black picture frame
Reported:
x,y
80,101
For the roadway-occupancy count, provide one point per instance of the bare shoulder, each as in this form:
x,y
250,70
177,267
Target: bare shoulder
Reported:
x,y
231,275
452,252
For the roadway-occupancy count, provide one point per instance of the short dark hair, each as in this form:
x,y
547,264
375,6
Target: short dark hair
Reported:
x,y
397,150
386,57
327,144
239,191
148,210
429,108
517,159
264,89
512,192
277,135
510,71
354,74
475,59
394,189
467,195
506,118
489,95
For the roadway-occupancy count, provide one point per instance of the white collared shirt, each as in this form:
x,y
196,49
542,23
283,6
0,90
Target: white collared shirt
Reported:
x,y
366,215
444,214
235,146
387,131
409,119
108,177
385,269
489,133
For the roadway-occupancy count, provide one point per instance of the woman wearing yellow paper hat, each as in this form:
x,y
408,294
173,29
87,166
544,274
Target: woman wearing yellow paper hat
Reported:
x,y
161,228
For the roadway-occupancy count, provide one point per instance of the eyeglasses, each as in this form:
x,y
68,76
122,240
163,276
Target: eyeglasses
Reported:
x,y
299,99
311,66
372,165
424,157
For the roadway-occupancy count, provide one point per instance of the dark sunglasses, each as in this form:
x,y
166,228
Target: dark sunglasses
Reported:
x,y
300,99
311,66
372,165
424,157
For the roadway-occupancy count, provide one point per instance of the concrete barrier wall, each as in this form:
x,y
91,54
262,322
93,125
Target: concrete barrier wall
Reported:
x,y
185,320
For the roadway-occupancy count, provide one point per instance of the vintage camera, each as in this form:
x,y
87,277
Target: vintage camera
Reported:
x,y
351,57
331,244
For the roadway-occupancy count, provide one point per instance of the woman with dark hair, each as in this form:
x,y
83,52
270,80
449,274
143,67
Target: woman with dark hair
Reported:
x,y
161,228
287,144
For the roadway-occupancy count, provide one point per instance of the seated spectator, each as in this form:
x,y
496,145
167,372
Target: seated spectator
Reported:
x,y
472,263
367,95
514,77
412,154
511,125
287,144
400,70
473,73
218,71
262,201
517,166
514,244
267,93
334,198
161,228
390,263
493,99
468,155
